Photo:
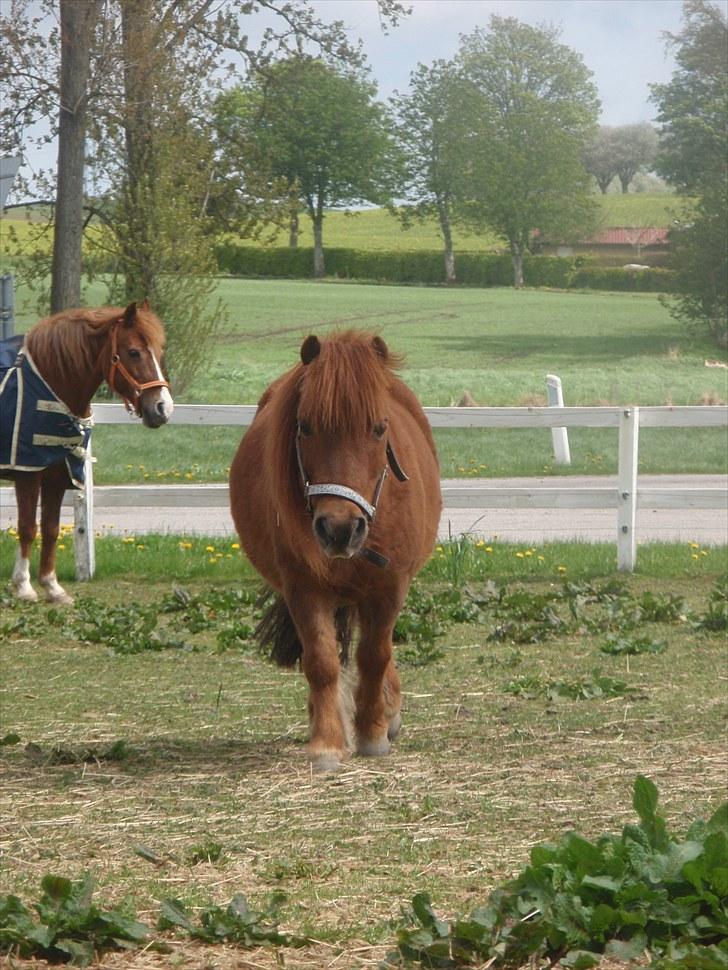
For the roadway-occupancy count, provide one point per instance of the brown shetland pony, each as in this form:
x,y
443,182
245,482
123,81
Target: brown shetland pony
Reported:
x,y
74,351
335,493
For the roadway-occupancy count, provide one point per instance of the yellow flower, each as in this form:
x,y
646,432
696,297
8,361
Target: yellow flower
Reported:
x,y
695,545
212,560
209,548
141,546
489,548
528,552
61,545
561,569
540,558
694,555
235,545
519,555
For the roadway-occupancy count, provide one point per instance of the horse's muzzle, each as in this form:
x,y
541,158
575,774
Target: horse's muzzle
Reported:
x,y
156,408
340,538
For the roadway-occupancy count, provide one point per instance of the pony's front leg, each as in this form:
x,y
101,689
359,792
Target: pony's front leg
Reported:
x,y
53,486
378,697
314,622
27,490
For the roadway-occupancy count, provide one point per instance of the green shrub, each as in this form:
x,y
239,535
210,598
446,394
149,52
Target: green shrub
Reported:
x,y
427,267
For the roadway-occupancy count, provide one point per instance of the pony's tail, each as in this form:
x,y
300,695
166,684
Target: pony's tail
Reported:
x,y
276,631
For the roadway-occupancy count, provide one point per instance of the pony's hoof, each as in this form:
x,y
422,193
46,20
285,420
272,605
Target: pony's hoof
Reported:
x,y
394,726
24,592
372,747
59,599
325,761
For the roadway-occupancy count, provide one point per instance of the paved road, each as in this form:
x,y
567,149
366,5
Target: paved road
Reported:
x,y
706,526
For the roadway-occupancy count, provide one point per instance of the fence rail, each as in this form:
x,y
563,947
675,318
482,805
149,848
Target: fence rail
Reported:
x,y
625,497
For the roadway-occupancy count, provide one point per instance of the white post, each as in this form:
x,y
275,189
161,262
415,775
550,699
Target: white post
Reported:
x,y
559,436
629,429
83,520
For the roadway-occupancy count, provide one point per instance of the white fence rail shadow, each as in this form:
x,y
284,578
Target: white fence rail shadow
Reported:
x,y
625,498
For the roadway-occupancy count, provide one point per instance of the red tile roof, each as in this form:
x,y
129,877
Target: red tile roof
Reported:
x,y
630,236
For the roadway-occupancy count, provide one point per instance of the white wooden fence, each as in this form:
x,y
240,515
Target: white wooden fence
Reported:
x,y
625,497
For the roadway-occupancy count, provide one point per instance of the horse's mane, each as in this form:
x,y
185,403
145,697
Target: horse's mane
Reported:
x,y
69,342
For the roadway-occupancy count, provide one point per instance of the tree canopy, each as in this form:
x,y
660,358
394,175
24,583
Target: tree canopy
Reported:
x,y
531,107
314,129
693,114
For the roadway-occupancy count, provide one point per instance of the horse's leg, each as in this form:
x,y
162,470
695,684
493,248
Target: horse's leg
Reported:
x,y
27,490
314,622
54,483
378,697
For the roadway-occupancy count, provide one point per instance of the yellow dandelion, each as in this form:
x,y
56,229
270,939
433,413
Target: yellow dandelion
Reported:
x,y
212,560
489,548
209,548
528,552
695,545
61,545
694,555
234,545
519,555
561,569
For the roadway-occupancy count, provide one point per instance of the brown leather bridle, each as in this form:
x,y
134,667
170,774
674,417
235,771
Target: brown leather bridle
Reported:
x,y
116,367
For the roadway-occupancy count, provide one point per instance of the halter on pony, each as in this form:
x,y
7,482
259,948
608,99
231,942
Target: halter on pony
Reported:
x,y
116,366
343,491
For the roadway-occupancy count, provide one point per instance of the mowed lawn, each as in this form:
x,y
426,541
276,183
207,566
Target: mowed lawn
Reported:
x,y
497,345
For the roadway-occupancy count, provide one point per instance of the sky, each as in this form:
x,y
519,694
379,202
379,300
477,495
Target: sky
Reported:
x,y
621,41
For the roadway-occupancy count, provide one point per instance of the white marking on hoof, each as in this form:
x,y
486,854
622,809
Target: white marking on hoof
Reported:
x,y
372,747
394,726
20,581
54,592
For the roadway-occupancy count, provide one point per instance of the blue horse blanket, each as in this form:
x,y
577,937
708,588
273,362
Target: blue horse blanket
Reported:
x,y
36,428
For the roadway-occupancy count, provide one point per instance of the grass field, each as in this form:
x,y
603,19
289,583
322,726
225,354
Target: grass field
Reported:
x,y
496,344
180,772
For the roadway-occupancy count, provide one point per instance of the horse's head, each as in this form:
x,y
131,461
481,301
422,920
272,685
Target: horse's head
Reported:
x,y
341,437
136,343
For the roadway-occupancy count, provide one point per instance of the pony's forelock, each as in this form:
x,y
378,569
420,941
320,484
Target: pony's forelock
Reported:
x,y
345,387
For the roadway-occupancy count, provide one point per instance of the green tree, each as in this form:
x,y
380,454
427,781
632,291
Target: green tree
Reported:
x,y
532,108
693,114
620,152
316,129
429,132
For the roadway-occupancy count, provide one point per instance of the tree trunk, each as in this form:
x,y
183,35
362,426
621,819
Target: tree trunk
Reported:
x,y
78,21
137,241
319,267
293,230
517,259
443,213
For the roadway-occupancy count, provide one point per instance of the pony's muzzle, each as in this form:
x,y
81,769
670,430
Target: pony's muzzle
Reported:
x,y
156,409
340,537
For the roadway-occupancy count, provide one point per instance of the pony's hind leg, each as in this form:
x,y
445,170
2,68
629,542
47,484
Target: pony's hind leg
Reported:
x,y
54,484
314,621
378,697
27,490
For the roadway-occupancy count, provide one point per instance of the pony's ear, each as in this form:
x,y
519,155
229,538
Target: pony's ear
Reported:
x,y
310,349
144,305
130,315
380,348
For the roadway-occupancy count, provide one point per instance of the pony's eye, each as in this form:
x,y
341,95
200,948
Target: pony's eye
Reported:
x,y
305,428
134,353
379,429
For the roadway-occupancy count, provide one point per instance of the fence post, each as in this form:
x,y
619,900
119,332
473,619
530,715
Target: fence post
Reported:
x,y
83,520
559,436
7,306
629,429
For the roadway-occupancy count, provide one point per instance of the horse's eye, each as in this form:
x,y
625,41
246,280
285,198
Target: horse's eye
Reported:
x,y
305,428
134,353
379,429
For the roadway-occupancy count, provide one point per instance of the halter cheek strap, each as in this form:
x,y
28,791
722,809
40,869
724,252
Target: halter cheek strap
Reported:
x,y
116,367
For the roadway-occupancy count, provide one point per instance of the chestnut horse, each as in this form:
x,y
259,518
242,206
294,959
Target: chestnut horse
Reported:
x,y
332,531
63,360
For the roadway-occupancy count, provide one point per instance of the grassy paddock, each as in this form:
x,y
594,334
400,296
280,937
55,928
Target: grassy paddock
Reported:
x,y
212,782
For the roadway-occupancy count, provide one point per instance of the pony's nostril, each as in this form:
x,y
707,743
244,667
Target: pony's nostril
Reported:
x,y
161,409
320,527
360,527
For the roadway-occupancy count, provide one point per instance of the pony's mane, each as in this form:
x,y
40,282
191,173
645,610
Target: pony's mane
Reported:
x,y
344,389
69,342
